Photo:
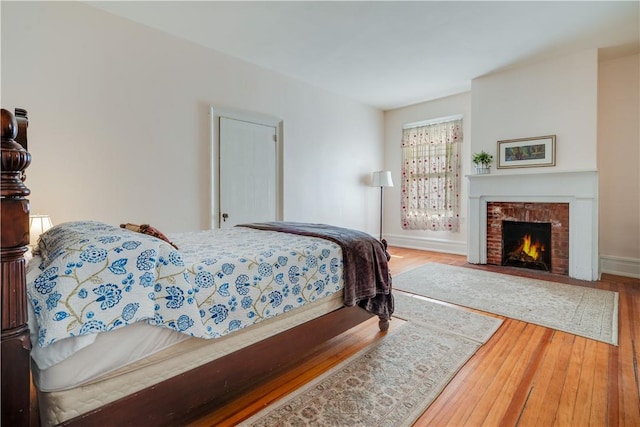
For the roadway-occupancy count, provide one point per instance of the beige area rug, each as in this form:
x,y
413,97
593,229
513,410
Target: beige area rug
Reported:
x,y
392,382
587,312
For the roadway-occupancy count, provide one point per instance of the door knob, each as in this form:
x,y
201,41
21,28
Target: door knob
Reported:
x,y
225,216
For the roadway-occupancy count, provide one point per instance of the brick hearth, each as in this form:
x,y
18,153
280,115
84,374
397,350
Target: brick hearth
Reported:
x,y
555,213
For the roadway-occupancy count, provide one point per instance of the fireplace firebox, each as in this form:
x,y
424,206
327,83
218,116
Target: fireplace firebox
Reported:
x,y
526,244
555,214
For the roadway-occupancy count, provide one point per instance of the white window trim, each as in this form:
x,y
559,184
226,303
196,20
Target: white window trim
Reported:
x,y
432,121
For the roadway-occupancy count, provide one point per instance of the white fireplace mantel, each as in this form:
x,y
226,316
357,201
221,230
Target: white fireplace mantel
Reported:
x,y
578,188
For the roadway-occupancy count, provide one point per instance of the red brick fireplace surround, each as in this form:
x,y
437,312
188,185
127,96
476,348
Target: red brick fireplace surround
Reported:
x,y
555,213
566,199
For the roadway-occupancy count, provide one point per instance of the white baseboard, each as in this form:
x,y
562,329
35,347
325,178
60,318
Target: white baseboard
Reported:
x,y
427,244
628,267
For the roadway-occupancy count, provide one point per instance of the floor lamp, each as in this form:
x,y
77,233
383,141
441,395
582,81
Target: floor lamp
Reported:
x,y
381,179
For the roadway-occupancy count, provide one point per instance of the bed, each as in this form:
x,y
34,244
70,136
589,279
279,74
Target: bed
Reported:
x,y
196,315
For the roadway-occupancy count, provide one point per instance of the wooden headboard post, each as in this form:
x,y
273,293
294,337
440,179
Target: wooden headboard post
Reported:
x,y
14,237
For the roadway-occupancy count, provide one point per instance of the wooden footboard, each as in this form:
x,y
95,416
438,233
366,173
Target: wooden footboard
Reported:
x,y
14,236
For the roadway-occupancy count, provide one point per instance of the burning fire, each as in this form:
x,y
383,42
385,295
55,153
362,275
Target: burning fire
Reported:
x,y
534,250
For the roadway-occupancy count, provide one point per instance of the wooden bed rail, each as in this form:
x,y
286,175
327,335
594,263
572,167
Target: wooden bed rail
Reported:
x,y
14,237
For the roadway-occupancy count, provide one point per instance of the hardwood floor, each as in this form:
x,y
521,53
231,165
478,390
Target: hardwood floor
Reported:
x,y
526,375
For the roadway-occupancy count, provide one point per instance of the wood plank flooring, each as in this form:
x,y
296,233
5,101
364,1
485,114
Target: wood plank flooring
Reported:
x,y
526,375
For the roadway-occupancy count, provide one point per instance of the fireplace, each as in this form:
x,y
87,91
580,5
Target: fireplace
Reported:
x,y
566,199
526,244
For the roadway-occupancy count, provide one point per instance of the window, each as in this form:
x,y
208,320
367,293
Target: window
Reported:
x,y
431,175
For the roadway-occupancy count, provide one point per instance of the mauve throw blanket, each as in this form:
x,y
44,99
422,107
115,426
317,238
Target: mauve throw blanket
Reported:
x,y
366,272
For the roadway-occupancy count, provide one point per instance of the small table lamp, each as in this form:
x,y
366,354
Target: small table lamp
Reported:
x,y
38,224
381,179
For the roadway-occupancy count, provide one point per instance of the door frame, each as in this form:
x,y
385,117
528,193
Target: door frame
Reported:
x,y
214,118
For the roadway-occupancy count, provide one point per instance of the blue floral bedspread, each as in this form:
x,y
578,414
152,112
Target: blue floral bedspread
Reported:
x,y
96,277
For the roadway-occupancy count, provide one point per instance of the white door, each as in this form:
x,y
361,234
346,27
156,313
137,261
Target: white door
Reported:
x,y
248,177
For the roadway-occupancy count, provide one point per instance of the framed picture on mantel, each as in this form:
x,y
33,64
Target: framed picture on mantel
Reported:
x,y
527,152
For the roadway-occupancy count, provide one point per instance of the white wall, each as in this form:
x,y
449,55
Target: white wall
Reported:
x,y
119,127
443,241
555,97
591,107
618,160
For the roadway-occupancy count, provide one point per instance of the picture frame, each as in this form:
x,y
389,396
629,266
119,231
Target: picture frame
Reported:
x,y
536,151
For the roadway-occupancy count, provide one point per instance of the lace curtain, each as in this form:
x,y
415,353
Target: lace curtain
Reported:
x,y
431,176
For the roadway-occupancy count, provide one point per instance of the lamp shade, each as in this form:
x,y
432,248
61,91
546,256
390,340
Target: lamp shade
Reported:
x,y
38,224
381,179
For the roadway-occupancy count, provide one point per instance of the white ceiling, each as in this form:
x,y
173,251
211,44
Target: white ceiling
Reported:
x,y
392,54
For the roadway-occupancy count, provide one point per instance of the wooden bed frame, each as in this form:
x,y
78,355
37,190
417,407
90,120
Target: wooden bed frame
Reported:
x,y
200,390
